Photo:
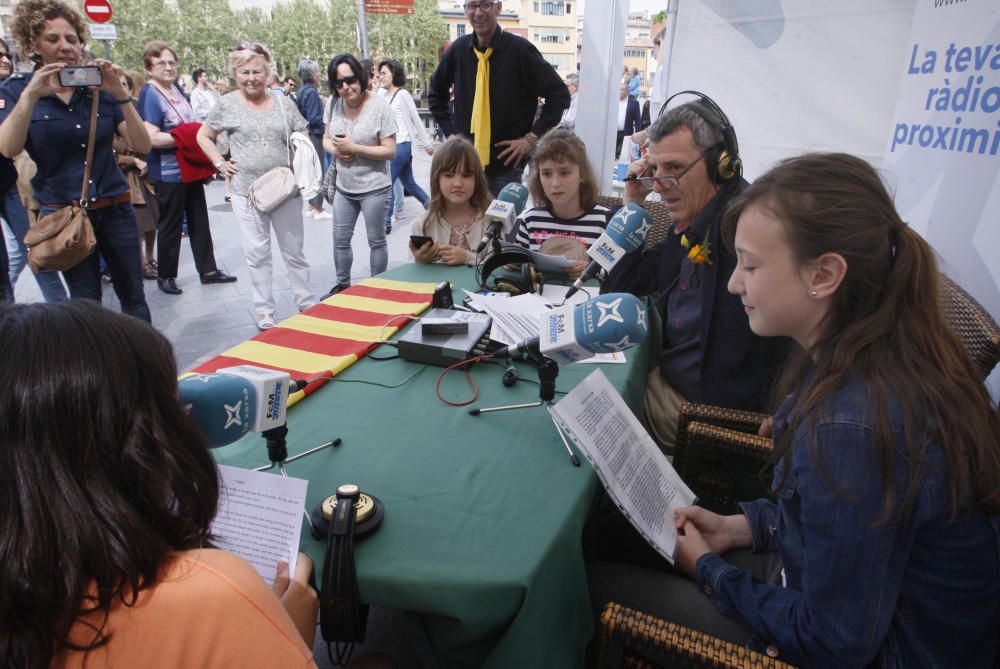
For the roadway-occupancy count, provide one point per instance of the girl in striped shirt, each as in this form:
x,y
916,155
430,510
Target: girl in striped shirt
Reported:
x,y
564,191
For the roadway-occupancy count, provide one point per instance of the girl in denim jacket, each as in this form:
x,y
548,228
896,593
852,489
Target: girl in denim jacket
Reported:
x,y
887,477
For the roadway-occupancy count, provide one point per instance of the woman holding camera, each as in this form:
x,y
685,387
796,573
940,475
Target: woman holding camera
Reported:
x,y
51,121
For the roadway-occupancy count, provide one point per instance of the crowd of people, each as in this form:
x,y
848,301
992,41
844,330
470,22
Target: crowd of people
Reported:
x,y
803,294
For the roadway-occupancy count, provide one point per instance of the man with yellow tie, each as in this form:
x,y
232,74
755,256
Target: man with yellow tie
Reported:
x,y
498,79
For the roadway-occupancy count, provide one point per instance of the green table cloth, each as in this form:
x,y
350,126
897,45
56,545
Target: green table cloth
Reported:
x,y
481,539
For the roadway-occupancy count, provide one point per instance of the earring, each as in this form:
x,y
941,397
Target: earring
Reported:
x,y
814,293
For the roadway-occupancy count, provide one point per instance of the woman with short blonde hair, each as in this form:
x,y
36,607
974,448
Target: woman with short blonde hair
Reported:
x,y
260,125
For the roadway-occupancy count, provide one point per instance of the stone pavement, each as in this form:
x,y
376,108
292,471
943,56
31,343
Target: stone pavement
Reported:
x,y
207,320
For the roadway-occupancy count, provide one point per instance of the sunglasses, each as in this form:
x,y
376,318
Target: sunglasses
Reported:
x,y
4,55
346,81
251,46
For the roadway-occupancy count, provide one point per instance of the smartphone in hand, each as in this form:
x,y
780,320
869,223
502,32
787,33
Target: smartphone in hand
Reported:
x,y
79,77
420,240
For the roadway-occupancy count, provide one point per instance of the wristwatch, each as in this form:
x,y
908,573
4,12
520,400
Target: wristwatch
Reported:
x,y
532,139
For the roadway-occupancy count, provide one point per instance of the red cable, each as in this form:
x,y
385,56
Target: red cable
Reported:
x,y
475,388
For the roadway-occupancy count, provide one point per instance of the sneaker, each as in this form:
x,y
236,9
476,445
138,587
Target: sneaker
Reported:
x,y
265,323
321,215
333,291
388,228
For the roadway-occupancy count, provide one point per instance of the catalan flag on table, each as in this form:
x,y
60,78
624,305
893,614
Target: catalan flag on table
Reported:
x,y
325,339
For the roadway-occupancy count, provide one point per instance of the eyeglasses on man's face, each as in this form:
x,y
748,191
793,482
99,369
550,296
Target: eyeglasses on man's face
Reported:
x,y
670,181
165,64
346,81
485,5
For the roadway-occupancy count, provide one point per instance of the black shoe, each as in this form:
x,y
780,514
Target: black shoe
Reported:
x,y
333,291
388,228
218,276
169,286
227,198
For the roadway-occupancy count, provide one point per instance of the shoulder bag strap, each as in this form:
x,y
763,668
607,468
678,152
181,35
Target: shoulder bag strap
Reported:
x,y
84,191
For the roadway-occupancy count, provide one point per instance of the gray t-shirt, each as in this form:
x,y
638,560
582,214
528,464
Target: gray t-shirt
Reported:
x,y
258,141
376,120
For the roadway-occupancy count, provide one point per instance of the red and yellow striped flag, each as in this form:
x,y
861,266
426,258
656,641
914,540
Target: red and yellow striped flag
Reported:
x,y
325,339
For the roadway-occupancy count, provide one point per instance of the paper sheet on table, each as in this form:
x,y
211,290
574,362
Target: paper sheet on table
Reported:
x,y
637,476
516,318
260,518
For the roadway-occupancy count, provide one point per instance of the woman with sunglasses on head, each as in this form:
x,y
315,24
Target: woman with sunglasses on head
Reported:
x,y
881,545
164,108
361,137
260,125
52,123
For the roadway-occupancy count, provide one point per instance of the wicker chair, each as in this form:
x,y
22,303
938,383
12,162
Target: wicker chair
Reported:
x,y
719,455
658,210
631,638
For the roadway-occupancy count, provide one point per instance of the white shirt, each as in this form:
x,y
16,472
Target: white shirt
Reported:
x,y
622,111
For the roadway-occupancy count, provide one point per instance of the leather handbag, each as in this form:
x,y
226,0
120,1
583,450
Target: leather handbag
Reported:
x,y
276,185
62,239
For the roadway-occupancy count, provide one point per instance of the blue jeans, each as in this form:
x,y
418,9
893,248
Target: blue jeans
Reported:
x,y
498,181
17,218
401,168
118,242
345,217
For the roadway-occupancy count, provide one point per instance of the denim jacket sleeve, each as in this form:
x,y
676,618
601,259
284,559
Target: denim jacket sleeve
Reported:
x,y
843,569
762,515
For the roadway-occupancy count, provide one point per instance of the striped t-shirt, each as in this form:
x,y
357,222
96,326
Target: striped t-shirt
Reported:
x,y
537,224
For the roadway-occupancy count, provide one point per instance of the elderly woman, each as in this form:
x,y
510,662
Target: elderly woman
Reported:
x,y
107,558
311,108
260,126
52,123
361,137
164,108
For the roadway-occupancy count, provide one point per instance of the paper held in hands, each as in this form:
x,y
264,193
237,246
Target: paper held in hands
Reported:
x,y
260,518
638,477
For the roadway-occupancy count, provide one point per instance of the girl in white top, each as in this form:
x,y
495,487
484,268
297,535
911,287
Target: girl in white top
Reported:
x,y
459,198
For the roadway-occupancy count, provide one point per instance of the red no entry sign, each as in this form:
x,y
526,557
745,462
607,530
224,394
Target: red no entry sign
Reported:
x,y
98,11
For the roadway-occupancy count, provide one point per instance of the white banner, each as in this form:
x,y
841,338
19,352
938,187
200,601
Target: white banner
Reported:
x,y
943,149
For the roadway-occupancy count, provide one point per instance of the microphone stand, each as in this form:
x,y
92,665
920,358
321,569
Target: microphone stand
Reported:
x,y
277,452
548,370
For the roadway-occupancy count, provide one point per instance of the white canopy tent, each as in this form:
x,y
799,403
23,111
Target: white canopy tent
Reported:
x,y
797,75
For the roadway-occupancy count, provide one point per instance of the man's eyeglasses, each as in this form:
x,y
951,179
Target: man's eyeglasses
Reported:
x,y
251,46
485,5
170,64
346,81
668,182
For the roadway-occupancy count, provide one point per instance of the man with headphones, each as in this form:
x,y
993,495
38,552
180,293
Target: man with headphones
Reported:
x,y
708,352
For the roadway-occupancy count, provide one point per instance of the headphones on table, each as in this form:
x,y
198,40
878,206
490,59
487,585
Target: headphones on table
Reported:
x,y
723,160
526,280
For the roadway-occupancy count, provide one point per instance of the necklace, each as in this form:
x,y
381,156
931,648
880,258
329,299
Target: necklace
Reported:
x,y
258,112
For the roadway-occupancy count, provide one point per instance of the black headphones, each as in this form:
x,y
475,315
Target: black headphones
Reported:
x,y
527,280
723,160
